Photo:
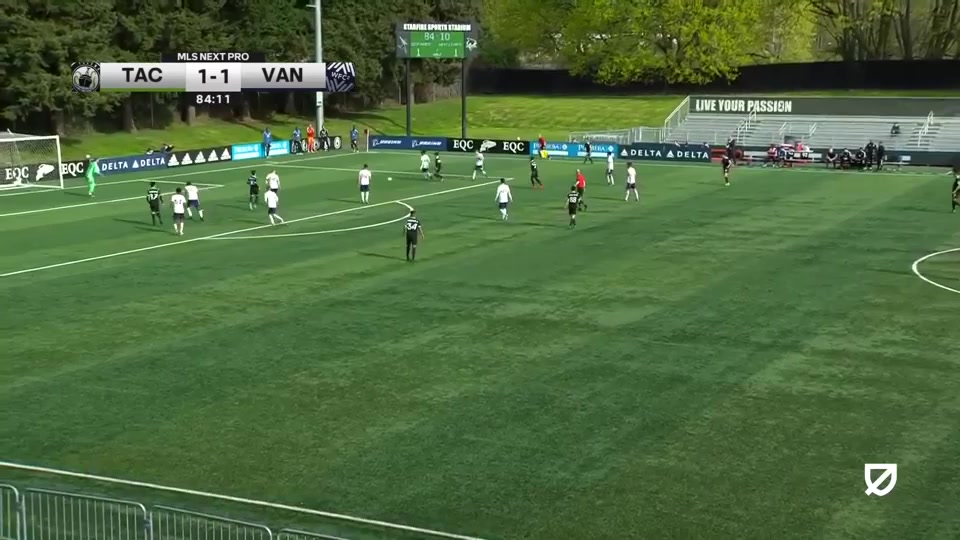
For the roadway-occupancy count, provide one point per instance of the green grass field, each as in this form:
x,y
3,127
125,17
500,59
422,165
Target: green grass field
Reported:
x,y
708,363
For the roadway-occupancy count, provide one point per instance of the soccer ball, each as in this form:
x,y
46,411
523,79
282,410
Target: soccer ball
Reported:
x,y
389,179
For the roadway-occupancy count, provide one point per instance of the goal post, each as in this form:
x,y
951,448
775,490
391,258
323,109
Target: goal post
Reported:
x,y
30,161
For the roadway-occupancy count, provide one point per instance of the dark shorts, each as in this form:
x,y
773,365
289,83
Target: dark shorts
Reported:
x,y
424,169
353,143
254,190
572,208
277,190
195,203
726,168
534,175
155,207
271,211
412,238
632,185
437,170
364,187
478,167
177,218
502,205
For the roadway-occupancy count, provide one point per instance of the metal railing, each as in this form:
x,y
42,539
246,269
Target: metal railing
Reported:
x,y
783,130
746,124
55,515
177,524
677,117
293,534
41,514
924,129
619,136
11,513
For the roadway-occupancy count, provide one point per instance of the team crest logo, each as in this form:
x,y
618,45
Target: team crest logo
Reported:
x,y
888,474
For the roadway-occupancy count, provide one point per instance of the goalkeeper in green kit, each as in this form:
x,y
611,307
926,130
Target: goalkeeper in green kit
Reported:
x,y
93,171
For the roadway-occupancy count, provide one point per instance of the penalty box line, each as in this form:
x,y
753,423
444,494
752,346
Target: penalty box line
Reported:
x,y
239,231
162,179
202,187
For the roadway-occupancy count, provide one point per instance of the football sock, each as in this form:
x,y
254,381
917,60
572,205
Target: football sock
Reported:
x,y
201,214
503,211
190,213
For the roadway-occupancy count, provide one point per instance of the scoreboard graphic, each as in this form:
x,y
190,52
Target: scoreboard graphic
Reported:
x,y
214,73
436,40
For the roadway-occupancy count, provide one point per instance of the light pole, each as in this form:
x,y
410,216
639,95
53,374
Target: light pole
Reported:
x,y
319,52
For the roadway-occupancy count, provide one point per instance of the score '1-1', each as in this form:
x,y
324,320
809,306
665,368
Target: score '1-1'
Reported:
x,y
203,76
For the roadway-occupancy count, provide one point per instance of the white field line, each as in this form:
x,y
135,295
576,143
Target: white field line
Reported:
x,y
251,164
240,500
315,233
916,269
239,231
95,203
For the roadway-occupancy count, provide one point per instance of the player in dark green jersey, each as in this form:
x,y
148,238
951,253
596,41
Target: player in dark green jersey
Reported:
x,y
413,232
254,190
573,204
154,200
535,174
955,193
437,167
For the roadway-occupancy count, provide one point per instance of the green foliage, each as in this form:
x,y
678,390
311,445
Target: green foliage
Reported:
x,y
41,39
613,41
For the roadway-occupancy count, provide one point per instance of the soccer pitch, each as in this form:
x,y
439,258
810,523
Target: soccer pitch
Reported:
x,y
710,362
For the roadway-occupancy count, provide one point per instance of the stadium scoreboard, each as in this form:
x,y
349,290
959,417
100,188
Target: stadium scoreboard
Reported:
x,y
436,40
214,74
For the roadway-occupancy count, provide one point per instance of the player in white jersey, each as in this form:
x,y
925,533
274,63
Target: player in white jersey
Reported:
x,y
478,168
363,180
273,181
179,204
193,200
425,165
273,202
631,183
503,197
610,180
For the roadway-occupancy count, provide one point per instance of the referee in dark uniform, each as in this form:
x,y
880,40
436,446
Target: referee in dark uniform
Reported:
x,y
413,232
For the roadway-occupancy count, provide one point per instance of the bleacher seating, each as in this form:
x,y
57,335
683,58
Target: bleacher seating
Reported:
x,y
713,129
947,136
822,131
838,131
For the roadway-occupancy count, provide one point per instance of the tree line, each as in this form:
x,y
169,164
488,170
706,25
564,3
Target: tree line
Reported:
x,y
699,41
612,41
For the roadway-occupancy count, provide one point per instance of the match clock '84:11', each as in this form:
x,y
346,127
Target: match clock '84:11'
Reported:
x,y
209,99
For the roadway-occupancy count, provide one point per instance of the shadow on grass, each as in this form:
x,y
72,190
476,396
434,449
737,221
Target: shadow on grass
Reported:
x,y
233,206
76,193
130,221
380,256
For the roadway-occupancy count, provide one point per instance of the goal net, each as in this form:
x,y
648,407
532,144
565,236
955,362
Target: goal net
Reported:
x,y
30,161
